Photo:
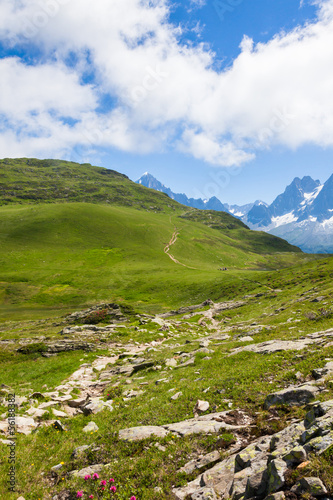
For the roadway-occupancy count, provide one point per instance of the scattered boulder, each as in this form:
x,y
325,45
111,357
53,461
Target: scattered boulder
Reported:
x,y
312,485
36,412
59,426
319,373
200,407
200,462
80,451
292,396
176,396
92,469
58,413
60,346
91,427
171,362
95,405
258,471
109,312
184,365
55,468
144,432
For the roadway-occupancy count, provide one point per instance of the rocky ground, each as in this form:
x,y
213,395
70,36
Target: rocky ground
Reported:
x,y
247,467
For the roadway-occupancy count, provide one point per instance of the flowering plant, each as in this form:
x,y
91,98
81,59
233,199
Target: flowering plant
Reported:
x,y
100,488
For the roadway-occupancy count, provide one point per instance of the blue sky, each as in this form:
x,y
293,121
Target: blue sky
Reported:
x,y
226,98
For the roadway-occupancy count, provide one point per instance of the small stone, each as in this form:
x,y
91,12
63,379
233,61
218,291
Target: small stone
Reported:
x,y
37,395
200,406
204,494
36,412
303,465
176,396
56,467
80,450
171,362
76,403
58,413
59,426
160,447
91,427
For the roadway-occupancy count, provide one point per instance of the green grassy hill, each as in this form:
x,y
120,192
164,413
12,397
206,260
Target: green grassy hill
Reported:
x,y
72,235
36,181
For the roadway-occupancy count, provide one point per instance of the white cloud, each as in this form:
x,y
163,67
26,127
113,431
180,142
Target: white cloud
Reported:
x,y
198,3
165,94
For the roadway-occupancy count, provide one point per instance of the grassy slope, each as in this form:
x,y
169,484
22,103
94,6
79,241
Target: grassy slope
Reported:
x,y
66,255
244,380
35,181
75,234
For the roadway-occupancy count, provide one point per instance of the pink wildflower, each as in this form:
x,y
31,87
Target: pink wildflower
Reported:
x,y
103,483
133,498
88,476
113,489
111,480
95,476
79,494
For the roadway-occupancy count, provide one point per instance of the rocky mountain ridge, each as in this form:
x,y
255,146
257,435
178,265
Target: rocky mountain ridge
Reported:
x,y
302,214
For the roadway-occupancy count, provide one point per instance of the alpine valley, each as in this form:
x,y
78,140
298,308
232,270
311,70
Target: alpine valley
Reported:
x,y
150,350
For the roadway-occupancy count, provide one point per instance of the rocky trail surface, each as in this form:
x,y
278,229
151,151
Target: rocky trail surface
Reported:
x,y
173,240
251,467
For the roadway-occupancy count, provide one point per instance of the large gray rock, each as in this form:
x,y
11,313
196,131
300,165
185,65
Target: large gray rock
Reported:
x,y
320,444
144,432
295,456
272,346
196,426
275,471
319,373
257,482
238,487
97,468
292,396
221,475
200,462
312,485
96,405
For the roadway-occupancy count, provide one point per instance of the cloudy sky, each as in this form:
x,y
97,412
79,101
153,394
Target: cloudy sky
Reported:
x,y
231,98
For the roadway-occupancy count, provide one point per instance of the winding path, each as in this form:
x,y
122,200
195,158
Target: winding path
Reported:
x,y
173,240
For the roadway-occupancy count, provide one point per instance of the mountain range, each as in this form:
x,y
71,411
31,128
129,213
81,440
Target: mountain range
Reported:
x,y
213,203
302,214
